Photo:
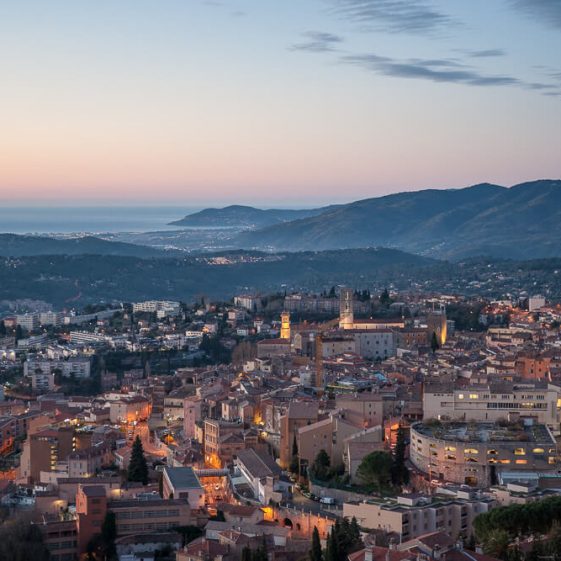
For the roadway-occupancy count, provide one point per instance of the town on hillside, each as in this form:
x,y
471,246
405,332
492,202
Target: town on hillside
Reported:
x,y
341,425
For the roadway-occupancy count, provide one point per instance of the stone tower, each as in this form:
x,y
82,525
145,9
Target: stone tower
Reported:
x,y
346,312
285,326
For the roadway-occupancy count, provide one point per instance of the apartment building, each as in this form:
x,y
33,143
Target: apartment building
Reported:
x,y
491,402
413,515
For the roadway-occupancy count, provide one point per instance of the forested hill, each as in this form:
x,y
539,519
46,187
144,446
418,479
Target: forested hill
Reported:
x,y
520,222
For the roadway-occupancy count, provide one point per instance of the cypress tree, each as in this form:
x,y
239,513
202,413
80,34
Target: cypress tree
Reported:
x,y
434,343
316,553
246,554
400,473
138,468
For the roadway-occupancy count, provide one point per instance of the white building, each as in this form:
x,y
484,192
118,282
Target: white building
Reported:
x,y
80,367
537,400
536,302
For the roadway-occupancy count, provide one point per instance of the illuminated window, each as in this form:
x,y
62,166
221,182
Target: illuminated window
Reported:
x,y
491,452
471,451
519,452
504,461
473,396
551,460
450,448
521,461
472,460
450,457
538,451
461,396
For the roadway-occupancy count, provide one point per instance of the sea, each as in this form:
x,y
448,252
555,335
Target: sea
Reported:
x,y
89,219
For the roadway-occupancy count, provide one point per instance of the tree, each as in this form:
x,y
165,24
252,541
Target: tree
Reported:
x,y
246,554
332,550
320,467
20,540
385,299
19,333
496,544
138,468
400,473
2,329
434,343
375,469
108,535
294,461
316,554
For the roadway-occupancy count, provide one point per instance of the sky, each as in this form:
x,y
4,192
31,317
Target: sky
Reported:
x,y
269,102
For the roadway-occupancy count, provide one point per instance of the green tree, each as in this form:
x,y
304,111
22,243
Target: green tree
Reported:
x,y
496,544
247,554
400,473
294,461
434,343
316,554
385,299
138,468
320,467
375,469
332,550
20,540
108,535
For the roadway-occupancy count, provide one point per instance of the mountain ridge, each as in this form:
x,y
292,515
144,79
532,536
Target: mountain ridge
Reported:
x,y
244,217
521,221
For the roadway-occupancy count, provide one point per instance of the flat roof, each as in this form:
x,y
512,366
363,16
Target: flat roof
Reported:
x,y
183,478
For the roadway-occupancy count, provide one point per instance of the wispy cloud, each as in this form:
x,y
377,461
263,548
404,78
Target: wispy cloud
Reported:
x,y
439,70
317,42
546,11
411,16
486,53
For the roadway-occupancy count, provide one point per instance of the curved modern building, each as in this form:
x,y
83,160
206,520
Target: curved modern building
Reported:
x,y
475,453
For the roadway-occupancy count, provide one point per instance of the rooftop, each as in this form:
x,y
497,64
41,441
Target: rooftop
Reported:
x,y
485,432
183,478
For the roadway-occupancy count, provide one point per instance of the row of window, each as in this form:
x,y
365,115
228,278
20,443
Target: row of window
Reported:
x,y
134,514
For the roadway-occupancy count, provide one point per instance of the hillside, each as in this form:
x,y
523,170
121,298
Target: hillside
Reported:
x,y
244,217
94,278
520,222
13,245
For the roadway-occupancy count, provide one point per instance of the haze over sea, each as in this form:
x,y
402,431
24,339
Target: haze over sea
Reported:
x,y
90,219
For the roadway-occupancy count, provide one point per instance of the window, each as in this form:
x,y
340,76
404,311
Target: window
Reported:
x,y
521,461
460,396
471,451
519,452
538,451
473,396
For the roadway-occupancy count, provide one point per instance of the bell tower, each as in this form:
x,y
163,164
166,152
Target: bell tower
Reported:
x,y
285,326
346,312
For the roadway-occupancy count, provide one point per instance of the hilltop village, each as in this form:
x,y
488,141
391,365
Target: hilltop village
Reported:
x,y
346,424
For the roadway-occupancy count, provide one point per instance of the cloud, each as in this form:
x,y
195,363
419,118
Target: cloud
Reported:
x,y
317,42
487,53
546,11
411,16
439,70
